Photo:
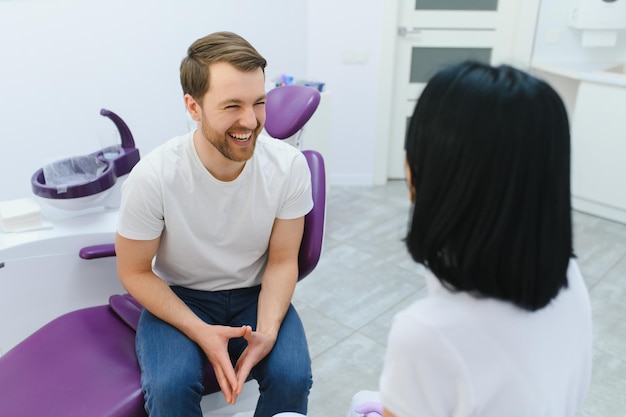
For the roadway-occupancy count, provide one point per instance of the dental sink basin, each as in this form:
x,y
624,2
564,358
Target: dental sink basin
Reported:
x,y
88,180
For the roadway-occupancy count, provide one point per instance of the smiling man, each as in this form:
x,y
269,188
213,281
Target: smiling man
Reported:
x,y
208,236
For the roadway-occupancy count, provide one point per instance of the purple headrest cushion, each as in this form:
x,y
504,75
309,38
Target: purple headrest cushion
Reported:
x,y
288,108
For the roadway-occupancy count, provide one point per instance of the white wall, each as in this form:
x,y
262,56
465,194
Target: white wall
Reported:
x,y
340,31
61,61
555,41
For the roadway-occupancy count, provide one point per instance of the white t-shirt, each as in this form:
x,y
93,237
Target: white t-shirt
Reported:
x,y
214,234
451,354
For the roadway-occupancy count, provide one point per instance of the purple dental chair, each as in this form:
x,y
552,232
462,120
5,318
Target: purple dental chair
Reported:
x,y
83,363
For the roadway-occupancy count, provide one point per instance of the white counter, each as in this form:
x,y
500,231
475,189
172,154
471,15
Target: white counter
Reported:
x,y
597,72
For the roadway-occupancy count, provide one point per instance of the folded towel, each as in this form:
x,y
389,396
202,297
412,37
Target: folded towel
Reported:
x,y
21,215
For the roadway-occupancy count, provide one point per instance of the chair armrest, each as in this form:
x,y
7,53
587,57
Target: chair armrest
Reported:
x,y
97,251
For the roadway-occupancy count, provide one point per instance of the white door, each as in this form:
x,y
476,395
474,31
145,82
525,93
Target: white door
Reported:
x,y
434,33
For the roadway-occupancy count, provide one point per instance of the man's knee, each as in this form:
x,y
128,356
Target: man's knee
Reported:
x,y
178,390
288,380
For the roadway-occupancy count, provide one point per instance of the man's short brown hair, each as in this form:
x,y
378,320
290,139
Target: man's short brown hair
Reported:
x,y
216,47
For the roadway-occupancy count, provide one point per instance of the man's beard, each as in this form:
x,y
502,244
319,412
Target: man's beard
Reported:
x,y
221,142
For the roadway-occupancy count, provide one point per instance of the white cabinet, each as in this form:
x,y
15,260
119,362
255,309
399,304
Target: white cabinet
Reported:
x,y
43,277
599,150
595,97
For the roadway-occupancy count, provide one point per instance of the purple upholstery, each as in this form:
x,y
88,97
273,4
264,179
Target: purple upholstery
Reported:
x,y
97,251
83,364
288,108
314,221
127,308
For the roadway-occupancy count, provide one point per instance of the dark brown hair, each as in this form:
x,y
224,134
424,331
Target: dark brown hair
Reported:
x,y
216,47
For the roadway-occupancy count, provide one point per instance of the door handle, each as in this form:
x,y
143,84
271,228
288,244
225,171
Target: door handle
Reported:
x,y
403,31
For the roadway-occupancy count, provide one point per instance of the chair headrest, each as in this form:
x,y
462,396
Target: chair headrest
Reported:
x,y
288,108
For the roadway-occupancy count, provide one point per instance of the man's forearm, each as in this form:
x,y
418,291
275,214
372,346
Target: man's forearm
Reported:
x,y
279,282
156,296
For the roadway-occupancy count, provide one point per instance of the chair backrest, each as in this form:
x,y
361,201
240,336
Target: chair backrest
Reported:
x,y
288,109
314,221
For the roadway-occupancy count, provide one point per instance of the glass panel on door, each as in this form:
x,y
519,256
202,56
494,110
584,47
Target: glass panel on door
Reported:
x,y
456,4
426,61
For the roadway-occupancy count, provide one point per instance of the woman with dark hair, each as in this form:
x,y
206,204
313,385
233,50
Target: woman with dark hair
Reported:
x,y
506,328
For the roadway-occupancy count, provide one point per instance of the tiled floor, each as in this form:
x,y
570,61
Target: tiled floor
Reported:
x,y
365,276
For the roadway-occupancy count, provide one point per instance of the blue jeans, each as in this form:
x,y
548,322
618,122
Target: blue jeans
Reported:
x,y
172,365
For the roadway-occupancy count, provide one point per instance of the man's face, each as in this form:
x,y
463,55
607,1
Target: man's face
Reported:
x,y
232,113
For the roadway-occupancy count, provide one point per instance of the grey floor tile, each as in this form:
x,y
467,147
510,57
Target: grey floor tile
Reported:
x,y
599,245
352,365
608,303
607,394
354,296
322,331
378,329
